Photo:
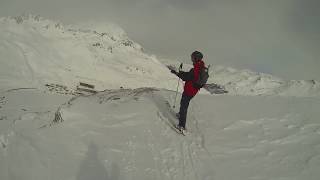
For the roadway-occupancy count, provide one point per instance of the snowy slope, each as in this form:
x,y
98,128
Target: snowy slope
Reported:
x,y
35,52
126,134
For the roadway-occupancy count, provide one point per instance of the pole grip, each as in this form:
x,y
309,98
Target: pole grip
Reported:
x,y
180,67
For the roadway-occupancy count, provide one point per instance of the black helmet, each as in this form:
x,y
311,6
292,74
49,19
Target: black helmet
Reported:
x,y
197,55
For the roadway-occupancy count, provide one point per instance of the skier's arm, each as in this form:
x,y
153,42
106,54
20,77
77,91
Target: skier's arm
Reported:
x,y
186,76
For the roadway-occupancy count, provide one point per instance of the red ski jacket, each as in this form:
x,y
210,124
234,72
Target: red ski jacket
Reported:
x,y
190,78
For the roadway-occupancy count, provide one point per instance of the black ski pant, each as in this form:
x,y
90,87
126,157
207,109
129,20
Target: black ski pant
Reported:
x,y
184,104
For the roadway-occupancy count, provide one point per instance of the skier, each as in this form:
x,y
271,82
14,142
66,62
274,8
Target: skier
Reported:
x,y
190,87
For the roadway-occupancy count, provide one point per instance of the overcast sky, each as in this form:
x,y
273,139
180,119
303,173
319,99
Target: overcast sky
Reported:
x,y
281,37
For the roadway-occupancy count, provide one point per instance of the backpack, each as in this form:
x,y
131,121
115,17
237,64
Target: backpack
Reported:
x,y
203,77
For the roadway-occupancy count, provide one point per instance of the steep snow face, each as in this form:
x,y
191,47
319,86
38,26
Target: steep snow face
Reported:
x,y
35,51
127,134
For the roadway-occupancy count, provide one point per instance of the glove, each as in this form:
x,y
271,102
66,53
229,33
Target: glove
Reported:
x,y
174,72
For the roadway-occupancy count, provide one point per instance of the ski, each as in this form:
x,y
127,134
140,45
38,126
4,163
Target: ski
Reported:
x,y
171,125
179,131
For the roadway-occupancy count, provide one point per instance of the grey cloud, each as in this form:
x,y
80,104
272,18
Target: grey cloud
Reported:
x,y
304,20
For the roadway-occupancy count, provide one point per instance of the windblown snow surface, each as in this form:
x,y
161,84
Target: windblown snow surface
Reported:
x,y
264,128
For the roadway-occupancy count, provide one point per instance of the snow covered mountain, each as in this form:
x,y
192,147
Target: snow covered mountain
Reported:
x,y
246,82
35,51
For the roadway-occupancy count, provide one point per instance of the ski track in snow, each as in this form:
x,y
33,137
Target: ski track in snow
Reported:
x,y
187,145
191,144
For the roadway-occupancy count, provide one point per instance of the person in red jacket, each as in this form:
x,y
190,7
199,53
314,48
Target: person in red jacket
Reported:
x,y
190,87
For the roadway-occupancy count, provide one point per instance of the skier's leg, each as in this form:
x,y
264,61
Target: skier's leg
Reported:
x,y
184,104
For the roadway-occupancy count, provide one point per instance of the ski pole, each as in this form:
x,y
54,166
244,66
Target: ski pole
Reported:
x,y
175,98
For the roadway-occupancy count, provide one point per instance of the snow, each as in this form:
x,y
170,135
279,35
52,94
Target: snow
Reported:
x,y
126,134
263,128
